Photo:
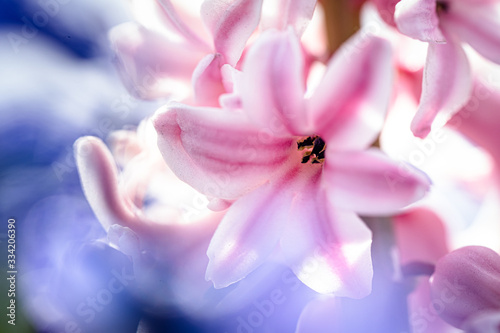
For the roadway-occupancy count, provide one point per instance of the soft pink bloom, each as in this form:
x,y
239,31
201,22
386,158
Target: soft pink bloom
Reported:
x,y
160,222
300,201
447,83
184,48
470,279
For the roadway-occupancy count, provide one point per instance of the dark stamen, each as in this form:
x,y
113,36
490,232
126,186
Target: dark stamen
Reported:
x,y
314,149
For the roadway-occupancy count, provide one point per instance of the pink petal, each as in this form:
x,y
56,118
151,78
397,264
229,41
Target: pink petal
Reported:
x,y
207,81
99,180
328,249
321,315
217,151
247,234
272,85
369,182
420,236
477,24
419,19
279,14
446,86
348,108
231,23
386,9
470,278
152,65
180,26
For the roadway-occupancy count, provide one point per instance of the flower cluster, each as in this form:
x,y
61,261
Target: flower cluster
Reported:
x,y
269,151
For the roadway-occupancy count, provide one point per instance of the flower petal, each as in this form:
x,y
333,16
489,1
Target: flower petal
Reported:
x,y
99,180
272,84
477,24
446,87
328,250
151,65
207,81
369,182
349,106
231,23
419,19
247,234
180,26
217,151
283,13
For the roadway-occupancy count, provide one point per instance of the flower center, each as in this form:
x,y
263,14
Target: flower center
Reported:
x,y
441,7
313,148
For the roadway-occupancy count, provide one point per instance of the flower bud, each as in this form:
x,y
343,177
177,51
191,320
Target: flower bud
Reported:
x,y
467,280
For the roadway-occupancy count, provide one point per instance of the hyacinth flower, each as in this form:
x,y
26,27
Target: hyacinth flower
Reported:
x,y
294,170
151,216
445,25
173,44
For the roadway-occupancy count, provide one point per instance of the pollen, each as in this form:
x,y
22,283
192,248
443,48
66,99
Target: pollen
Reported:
x,y
313,148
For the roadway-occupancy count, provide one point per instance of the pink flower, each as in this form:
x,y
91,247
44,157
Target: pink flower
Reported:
x,y
297,169
445,25
150,215
182,48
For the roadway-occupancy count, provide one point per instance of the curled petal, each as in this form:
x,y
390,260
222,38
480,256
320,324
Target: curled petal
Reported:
x,y
98,175
348,108
247,234
152,65
217,151
418,19
469,278
207,81
283,13
446,87
231,23
272,84
328,250
477,24
369,182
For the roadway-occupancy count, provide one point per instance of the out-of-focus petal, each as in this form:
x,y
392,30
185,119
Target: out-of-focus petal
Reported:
x,y
248,233
231,23
418,19
207,81
272,86
180,26
420,236
483,322
477,24
348,108
446,87
217,151
328,250
151,65
471,275
386,9
321,315
369,182
98,175
280,14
